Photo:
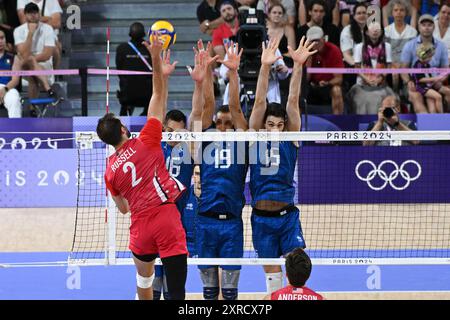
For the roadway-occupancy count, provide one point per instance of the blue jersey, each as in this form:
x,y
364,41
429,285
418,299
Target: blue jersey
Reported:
x,y
272,167
180,165
6,63
222,175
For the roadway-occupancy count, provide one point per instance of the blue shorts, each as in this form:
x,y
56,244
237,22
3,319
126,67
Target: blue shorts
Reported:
x,y
188,221
219,239
274,237
159,271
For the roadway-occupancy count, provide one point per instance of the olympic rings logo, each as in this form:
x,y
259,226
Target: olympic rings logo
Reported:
x,y
388,178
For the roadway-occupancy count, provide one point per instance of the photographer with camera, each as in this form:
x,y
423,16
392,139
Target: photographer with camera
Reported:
x,y
388,120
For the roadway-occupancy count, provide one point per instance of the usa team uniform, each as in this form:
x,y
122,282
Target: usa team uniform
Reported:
x,y
137,172
219,227
274,233
293,293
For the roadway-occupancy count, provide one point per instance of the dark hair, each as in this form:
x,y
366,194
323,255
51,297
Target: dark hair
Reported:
x,y
320,3
175,115
223,109
366,39
444,3
228,2
298,267
275,110
137,31
31,7
355,29
109,129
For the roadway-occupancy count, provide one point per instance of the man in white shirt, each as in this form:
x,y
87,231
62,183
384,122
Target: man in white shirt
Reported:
x,y
35,42
51,15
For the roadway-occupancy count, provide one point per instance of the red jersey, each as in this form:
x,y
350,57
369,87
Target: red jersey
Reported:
x,y
224,32
329,57
293,293
137,171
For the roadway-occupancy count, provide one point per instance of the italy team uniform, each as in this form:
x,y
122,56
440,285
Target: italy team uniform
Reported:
x,y
219,227
272,168
188,218
180,166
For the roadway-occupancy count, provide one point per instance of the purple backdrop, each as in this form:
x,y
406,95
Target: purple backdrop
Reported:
x,y
43,178
36,140
418,174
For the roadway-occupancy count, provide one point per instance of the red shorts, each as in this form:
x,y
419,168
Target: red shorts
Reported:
x,y
158,231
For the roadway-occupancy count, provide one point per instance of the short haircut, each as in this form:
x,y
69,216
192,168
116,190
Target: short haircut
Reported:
x,y
109,129
31,7
275,110
175,115
223,109
298,267
137,31
396,98
318,2
401,3
229,3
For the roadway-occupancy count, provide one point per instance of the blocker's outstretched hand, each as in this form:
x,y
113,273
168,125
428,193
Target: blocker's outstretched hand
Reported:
x,y
233,56
303,52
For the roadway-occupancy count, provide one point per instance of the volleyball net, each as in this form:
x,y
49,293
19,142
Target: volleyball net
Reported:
x,y
382,204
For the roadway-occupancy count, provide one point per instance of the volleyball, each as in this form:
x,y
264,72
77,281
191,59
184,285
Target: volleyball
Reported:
x,y
168,35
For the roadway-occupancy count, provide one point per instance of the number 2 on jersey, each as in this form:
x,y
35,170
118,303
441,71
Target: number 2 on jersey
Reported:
x,y
130,165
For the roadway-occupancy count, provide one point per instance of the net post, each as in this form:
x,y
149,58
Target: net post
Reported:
x,y
111,232
84,91
110,216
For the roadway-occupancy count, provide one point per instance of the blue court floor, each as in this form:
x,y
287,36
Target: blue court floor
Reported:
x,y
118,282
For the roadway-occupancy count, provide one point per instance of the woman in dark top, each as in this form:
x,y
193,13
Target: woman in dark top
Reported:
x,y
276,27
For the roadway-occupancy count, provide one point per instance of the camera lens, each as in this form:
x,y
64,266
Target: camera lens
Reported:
x,y
388,112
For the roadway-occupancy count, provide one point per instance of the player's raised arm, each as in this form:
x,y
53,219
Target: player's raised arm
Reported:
x,y
159,96
232,63
167,69
208,91
268,58
300,56
198,74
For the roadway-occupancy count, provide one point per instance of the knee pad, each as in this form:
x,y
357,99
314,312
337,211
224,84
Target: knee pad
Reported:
x,y
165,288
157,284
274,281
210,293
230,294
157,288
210,279
144,282
230,280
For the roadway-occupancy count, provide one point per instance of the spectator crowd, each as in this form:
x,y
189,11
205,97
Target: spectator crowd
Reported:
x,y
365,34
29,40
